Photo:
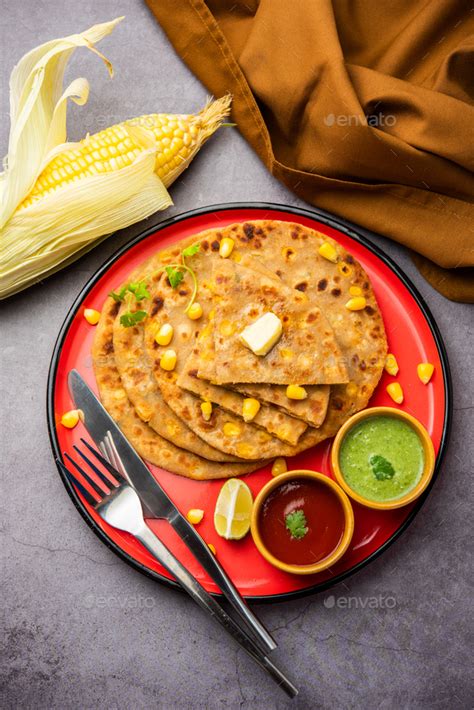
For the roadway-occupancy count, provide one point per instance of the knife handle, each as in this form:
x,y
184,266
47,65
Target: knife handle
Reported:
x,y
209,604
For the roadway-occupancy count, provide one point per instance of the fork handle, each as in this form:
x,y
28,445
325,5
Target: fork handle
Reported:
x,y
197,592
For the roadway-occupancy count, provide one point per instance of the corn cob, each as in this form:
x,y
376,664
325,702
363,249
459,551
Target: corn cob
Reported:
x,y
178,138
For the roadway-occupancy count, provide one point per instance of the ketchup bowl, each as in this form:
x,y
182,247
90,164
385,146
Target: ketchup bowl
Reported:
x,y
302,522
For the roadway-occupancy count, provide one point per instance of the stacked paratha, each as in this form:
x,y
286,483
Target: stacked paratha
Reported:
x,y
335,353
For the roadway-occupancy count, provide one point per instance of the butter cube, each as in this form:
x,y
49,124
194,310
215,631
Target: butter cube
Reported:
x,y
261,336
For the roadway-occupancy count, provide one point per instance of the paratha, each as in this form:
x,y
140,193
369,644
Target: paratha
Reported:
x,y
306,353
147,442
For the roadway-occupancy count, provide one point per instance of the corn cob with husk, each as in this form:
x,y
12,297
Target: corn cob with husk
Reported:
x,y
58,198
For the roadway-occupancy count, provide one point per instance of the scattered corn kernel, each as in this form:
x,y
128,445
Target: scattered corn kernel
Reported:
x,y
250,408
195,515
358,303
227,328
279,466
355,291
327,251
296,392
395,391
226,247
212,548
206,410
231,429
425,371
165,334
168,360
195,311
391,365
71,418
91,315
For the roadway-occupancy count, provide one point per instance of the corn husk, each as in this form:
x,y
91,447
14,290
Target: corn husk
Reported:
x,y
36,240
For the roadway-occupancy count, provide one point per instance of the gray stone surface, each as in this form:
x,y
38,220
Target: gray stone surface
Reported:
x,y
149,646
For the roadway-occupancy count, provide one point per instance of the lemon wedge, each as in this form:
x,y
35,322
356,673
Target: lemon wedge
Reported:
x,y
233,510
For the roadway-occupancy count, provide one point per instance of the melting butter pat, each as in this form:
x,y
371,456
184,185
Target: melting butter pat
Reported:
x,y
263,334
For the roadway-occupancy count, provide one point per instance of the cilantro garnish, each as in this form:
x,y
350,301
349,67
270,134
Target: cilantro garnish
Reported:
x,y
128,319
120,295
191,250
295,523
381,468
139,290
175,276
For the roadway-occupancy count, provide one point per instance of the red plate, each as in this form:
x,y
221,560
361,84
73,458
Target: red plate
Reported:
x,y
412,336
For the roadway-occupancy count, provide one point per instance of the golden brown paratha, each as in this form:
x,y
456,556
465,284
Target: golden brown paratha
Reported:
x,y
147,442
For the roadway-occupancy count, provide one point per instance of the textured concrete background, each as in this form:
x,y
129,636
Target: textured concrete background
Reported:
x,y
84,630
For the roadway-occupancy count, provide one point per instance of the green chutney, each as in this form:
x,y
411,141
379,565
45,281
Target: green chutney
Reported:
x,y
382,458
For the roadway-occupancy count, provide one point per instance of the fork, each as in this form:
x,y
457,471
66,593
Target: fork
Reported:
x,y
119,505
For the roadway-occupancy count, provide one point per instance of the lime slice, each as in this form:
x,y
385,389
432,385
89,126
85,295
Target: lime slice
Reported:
x,y
233,510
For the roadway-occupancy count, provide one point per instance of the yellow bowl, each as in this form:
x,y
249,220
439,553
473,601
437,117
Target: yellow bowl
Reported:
x,y
427,448
348,520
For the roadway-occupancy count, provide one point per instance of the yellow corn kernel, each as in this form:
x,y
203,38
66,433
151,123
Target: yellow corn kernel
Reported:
x,y
226,247
168,360
227,328
144,411
195,515
327,251
71,418
195,312
231,429
91,315
212,548
206,410
395,391
286,353
391,365
425,371
358,303
250,408
355,291
279,466
165,334
296,392
351,389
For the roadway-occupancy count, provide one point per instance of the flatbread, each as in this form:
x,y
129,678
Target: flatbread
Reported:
x,y
147,442
307,352
275,421
311,410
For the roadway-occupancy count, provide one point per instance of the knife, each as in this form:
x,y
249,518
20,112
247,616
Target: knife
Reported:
x,y
156,502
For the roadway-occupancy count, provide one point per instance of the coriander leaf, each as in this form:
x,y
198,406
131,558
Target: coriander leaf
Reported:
x,y
118,297
139,290
175,276
295,523
128,319
192,250
381,468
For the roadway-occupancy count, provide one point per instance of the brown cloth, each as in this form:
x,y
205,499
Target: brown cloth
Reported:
x,y
361,107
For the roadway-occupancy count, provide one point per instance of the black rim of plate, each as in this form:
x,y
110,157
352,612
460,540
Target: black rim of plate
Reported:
x,y
330,221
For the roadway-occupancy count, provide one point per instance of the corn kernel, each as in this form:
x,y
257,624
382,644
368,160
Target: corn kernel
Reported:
x,y
212,548
355,291
195,312
250,408
91,315
395,391
165,334
296,392
206,410
70,419
279,466
231,429
195,515
168,360
327,251
227,328
391,365
425,371
226,246
358,303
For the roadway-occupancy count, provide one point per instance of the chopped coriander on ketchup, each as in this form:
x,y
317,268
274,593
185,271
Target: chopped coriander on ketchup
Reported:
x,y
295,523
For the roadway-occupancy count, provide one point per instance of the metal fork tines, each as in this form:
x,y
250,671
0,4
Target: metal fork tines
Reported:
x,y
119,505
